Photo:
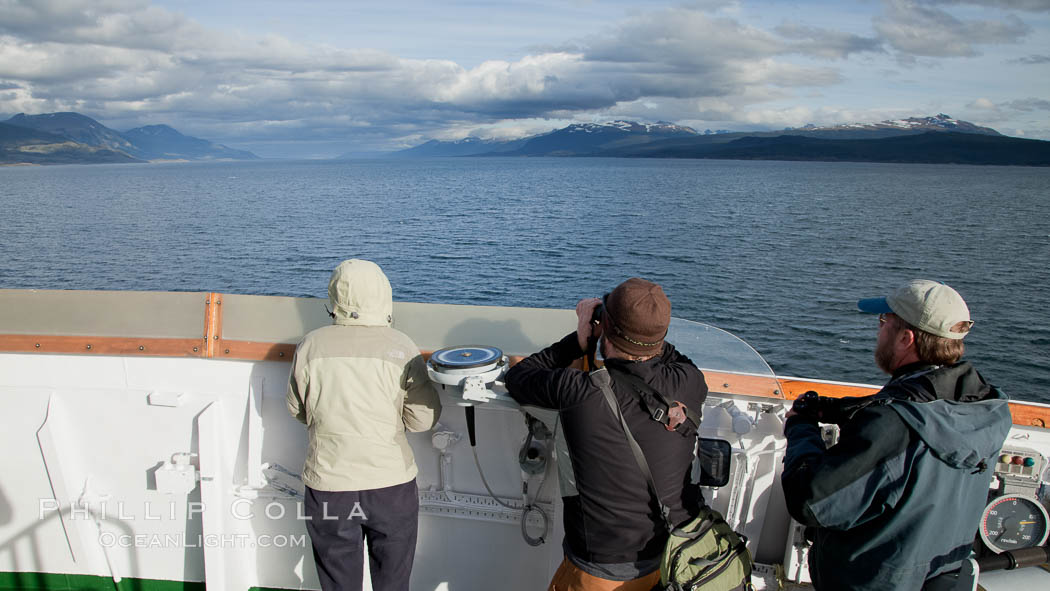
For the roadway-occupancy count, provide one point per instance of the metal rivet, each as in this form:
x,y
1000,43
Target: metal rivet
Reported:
x,y
38,345
227,351
207,301
195,349
141,348
216,337
726,385
281,354
89,347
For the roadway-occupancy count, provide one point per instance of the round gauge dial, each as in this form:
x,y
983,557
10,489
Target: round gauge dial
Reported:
x,y
1010,522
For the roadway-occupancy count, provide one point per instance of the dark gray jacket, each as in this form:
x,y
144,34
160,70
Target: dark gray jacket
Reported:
x,y
898,499
613,518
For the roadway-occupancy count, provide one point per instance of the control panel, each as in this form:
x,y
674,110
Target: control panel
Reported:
x,y
1020,467
1015,517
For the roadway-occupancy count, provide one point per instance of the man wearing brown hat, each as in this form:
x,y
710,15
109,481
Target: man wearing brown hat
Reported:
x,y
897,500
614,533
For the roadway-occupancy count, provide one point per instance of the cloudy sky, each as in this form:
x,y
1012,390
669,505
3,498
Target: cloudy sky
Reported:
x,y
319,78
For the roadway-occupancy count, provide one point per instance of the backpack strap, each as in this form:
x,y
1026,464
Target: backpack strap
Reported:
x,y
661,409
600,377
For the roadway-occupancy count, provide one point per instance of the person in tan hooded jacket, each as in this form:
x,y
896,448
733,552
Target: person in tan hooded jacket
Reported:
x,y
359,385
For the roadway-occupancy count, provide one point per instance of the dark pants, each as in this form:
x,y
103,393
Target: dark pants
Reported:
x,y
387,517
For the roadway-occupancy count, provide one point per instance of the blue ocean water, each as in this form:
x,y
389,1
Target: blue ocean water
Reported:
x,y
775,252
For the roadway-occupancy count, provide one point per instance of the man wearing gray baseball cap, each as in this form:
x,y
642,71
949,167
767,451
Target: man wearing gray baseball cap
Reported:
x,y
896,501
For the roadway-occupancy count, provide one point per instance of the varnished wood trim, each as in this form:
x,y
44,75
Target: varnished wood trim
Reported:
x,y
88,345
254,351
1023,415
793,388
746,385
208,319
1030,416
212,323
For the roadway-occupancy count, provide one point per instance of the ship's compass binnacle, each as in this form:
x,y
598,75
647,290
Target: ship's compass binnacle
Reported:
x,y
1016,516
473,370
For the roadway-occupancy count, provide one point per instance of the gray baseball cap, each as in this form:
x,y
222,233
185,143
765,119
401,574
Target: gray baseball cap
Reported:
x,y
927,305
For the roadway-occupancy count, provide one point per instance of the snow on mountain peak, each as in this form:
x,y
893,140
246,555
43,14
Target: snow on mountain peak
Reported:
x,y
938,121
628,126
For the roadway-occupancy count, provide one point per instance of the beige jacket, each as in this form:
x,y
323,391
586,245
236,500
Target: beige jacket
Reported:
x,y
358,385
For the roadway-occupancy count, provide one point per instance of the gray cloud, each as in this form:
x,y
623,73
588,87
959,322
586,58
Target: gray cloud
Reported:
x,y
675,37
1029,112
828,44
1033,60
133,24
917,28
1029,5
681,53
1027,105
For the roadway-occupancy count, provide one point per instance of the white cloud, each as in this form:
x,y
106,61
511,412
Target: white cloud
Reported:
x,y
799,116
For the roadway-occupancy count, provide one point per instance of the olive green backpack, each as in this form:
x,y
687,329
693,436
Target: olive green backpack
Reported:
x,y
706,554
702,555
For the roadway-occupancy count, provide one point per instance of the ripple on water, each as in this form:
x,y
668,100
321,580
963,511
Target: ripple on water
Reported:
x,y
777,253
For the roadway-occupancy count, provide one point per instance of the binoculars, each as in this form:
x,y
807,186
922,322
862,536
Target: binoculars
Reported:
x,y
596,316
831,410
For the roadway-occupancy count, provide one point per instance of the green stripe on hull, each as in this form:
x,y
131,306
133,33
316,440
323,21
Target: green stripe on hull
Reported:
x,y
61,582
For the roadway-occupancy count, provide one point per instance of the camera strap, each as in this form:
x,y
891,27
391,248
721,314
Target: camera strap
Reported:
x,y
602,378
672,414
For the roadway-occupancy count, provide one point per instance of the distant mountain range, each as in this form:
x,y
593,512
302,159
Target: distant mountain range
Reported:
x,y
581,139
938,139
72,138
889,128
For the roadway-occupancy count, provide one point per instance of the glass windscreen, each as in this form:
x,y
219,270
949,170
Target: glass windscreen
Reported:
x,y
715,350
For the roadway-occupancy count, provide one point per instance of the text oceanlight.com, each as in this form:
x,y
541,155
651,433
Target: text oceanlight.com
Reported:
x,y
111,540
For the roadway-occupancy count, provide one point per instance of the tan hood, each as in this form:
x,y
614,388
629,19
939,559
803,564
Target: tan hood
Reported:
x,y
360,294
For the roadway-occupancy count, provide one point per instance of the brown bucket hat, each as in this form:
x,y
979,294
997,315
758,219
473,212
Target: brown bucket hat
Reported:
x,y
636,315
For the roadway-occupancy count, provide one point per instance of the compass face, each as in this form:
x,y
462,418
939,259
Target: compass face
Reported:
x,y
466,357
1013,521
